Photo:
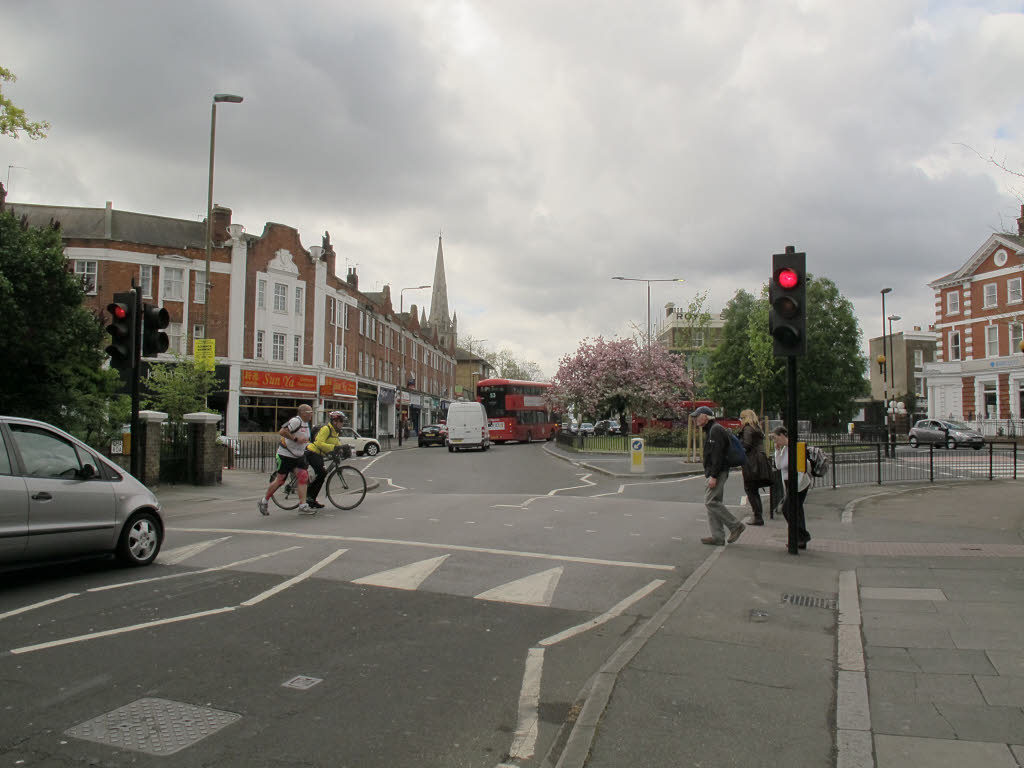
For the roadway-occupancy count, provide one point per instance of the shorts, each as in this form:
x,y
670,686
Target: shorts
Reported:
x,y
286,464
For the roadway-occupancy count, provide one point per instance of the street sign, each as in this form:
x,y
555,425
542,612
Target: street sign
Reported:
x,y
204,351
636,454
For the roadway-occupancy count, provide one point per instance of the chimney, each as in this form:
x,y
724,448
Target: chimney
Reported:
x,y
352,278
221,222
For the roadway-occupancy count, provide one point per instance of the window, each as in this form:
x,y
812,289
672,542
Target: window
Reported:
x,y
991,295
1016,336
176,338
918,358
45,454
954,345
953,303
296,349
360,363
339,353
919,386
86,271
200,289
146,280
344,357
259,344
1013,291
992,341
362,324
280,297
174,284
198,331
277,347
298,301
261,294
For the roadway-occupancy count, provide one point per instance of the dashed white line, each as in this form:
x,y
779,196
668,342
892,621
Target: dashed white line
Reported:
x,y
295,579
42,604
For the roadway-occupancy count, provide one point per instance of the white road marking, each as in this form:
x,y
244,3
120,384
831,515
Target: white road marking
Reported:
x,y
42,604
623,487
119,630
394,488
179,554
605,617
433,545
587,484
295,579
537,589
525,740
405,577
183,574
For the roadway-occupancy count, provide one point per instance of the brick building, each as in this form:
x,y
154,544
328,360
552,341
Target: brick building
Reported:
x,y
286,328
979,312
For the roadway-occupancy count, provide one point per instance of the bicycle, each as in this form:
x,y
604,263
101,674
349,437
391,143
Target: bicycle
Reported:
x,y
345,485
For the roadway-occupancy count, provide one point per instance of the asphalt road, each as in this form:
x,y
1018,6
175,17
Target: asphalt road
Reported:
x,y
451,620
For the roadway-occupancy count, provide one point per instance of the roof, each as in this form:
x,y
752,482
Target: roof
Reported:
x,y
1000,239
125,226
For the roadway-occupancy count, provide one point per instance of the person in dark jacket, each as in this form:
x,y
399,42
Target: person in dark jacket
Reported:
x,y
753,444
716,470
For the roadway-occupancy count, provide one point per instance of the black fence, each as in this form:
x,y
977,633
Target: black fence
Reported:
x,y
175,453
880,463
258,453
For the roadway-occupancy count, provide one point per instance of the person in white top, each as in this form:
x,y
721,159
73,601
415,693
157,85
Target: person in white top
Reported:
x,y
291,455
803,484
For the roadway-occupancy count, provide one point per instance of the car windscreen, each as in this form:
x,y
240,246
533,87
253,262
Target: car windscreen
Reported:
x,y
954,425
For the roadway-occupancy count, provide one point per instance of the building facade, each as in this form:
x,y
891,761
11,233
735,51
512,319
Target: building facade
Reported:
x,y
979,315
286,328
907,353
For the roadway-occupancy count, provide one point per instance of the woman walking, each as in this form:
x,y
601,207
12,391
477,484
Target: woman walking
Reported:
x,y
803,483
756,469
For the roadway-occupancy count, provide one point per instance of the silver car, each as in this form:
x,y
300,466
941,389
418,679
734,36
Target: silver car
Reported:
x,y
61,499
948,433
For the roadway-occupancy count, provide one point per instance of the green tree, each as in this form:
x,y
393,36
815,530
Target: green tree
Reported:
x,y
179,387
743,371
53,358
13,119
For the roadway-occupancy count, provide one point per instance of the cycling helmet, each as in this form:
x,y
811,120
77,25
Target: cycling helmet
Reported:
x,y
337,415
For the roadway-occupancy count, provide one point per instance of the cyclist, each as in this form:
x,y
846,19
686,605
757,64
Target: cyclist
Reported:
x,y
291,455
327,439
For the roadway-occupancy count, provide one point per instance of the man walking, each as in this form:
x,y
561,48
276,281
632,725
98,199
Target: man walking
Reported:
x,y
291,456
716,470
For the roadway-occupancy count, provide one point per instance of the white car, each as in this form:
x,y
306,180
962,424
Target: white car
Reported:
x,y
359,444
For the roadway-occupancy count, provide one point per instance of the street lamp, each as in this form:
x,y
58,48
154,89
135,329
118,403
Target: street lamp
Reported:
x,y
401,363
892,351
885,380
652,280
217,98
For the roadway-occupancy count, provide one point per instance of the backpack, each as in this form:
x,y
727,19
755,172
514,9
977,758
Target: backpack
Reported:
x,y
735,456
818,460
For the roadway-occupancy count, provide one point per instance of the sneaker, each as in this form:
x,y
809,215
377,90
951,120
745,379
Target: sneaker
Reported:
x,y
736,533
306,509
712,541
315,504
261,505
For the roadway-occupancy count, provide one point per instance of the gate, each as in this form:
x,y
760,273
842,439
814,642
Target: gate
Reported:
x,y
175,453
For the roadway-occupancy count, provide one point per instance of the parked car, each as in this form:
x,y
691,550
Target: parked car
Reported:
x,y
607,427
948,433
586,428
432,434
361,445
61,499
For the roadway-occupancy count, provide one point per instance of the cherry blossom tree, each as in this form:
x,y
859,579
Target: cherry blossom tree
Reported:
x,y
615,376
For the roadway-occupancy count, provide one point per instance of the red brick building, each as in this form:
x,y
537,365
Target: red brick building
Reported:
x,y
979,316
286,328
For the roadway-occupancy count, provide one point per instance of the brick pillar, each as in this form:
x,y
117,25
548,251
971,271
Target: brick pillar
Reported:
x,y
204,453
151,425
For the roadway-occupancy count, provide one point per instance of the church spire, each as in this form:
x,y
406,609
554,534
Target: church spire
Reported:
x,y
439,297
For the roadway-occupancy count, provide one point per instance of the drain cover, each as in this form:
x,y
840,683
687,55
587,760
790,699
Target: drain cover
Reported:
x,y
810,601
153,726
302,682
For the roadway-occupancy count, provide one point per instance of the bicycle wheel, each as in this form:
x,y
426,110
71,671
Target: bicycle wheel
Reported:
x,y
287,496
346,487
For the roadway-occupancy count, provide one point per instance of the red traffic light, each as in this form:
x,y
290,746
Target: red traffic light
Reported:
x,y
119,312
788,278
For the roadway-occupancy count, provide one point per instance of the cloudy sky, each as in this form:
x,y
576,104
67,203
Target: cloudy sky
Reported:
x,y
555,143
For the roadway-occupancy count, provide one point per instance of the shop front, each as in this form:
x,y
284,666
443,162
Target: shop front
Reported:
x,y
366,409
386,411
267,399
337,394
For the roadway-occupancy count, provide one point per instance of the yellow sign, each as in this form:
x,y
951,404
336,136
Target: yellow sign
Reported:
x,y
204,351
801,457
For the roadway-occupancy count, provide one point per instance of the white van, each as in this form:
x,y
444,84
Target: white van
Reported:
x,y
467,426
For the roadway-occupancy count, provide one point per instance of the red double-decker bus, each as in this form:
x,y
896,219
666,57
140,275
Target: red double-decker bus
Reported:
x,y
517,410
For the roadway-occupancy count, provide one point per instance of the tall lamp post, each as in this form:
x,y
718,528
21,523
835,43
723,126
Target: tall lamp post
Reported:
x,y
885,379
401,364
892,378
217,98
652,280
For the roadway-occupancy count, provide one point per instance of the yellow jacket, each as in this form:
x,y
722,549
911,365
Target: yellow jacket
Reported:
x,y
326,440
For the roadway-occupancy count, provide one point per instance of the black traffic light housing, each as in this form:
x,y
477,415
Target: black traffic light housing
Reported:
x,y
154,320
787,296
122,331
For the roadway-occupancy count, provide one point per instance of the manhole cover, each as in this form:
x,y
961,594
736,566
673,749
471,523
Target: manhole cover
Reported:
x,y
810,601
153,726
758,616
302,682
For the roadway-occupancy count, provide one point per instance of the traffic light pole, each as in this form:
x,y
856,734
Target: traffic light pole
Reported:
x,y
792,503
136,454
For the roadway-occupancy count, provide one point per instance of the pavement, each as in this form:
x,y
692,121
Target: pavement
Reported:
x,y
893,641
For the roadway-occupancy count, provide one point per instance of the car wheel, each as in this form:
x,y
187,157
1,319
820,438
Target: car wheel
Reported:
x,y
951,444
372,449
913,441
976,446
529,437
140,539
420,444
451,449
